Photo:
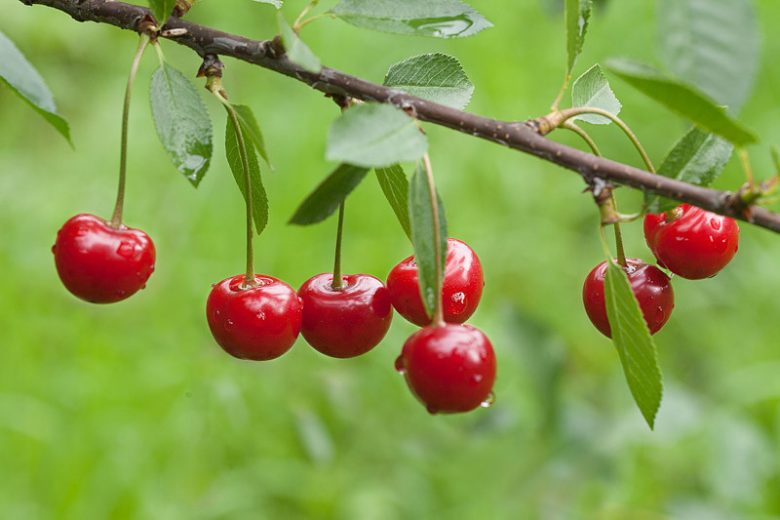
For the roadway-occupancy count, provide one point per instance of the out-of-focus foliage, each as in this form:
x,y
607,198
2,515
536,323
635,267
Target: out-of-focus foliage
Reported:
x,y
132,411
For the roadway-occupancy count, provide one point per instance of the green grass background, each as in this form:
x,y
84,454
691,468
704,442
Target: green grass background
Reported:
x,y
132,411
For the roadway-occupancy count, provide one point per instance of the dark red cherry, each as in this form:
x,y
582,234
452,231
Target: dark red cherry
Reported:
x,y
345,322
690,242
461,291
652,288
257,323
450,368
102,264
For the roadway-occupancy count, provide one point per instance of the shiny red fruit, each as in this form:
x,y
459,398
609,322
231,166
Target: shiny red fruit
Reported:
x,y
102,264
257,323
461,291
691,242
450,368
652,288
345,322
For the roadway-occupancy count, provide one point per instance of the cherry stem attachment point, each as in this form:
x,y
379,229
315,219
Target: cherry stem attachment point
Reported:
x,y
215,87
557,119
438,311
337,284
116,219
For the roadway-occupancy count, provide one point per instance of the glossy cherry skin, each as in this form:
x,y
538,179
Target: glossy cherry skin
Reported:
x,y
257,323
450,368
346,322
652,288
461,291
691,242
102,264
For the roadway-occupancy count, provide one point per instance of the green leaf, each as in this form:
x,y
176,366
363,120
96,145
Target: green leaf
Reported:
x,y
259,198
775,158
297,51
437,18
437,77
634,343
697,158
328,196
394,185
421,219
577,15
375,136
275,3
162,9
251,130
27,83
712,44
683,99
592,90
182,121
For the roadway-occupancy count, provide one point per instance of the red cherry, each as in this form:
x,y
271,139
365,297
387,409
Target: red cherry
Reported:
x,y
691,242
258,323
450,368
346,322
652,288
102,264
461,291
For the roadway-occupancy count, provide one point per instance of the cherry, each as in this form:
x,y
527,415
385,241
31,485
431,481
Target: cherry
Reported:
x,y
345,322
652,288
259,322
691,242
99,263
450,368
461,291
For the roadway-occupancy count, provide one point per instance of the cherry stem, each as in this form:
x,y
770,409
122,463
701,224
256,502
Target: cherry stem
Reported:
x,y
216,88
621,253
116,219
577,111
298,24
438,311
337,284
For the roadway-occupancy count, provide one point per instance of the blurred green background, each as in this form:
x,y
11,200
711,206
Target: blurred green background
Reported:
x,y
132,411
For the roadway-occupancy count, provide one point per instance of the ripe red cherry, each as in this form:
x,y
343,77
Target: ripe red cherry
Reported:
x,y
257,323
691,242
345,322
652,288
461,291
102,264
450,368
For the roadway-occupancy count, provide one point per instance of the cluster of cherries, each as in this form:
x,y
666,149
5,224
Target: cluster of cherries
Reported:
x,y
450,367
688,241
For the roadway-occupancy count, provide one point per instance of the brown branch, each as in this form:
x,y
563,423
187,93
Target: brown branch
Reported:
x,y
517,135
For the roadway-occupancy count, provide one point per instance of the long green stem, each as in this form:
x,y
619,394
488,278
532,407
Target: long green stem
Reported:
x,y
569,125
116,219
621,253
576,111
249,279
337,284
438,311
744,158
297,25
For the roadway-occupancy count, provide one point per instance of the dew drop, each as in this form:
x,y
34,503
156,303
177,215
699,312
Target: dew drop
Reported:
x,y
459,298
431,409
489,401
476,379
260,315
125,249
715,223
229,323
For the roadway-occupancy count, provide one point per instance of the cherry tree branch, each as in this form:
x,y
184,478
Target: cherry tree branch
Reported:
x,y
517,135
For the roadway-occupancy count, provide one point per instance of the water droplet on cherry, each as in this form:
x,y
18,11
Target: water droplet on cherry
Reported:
x,y
489,401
